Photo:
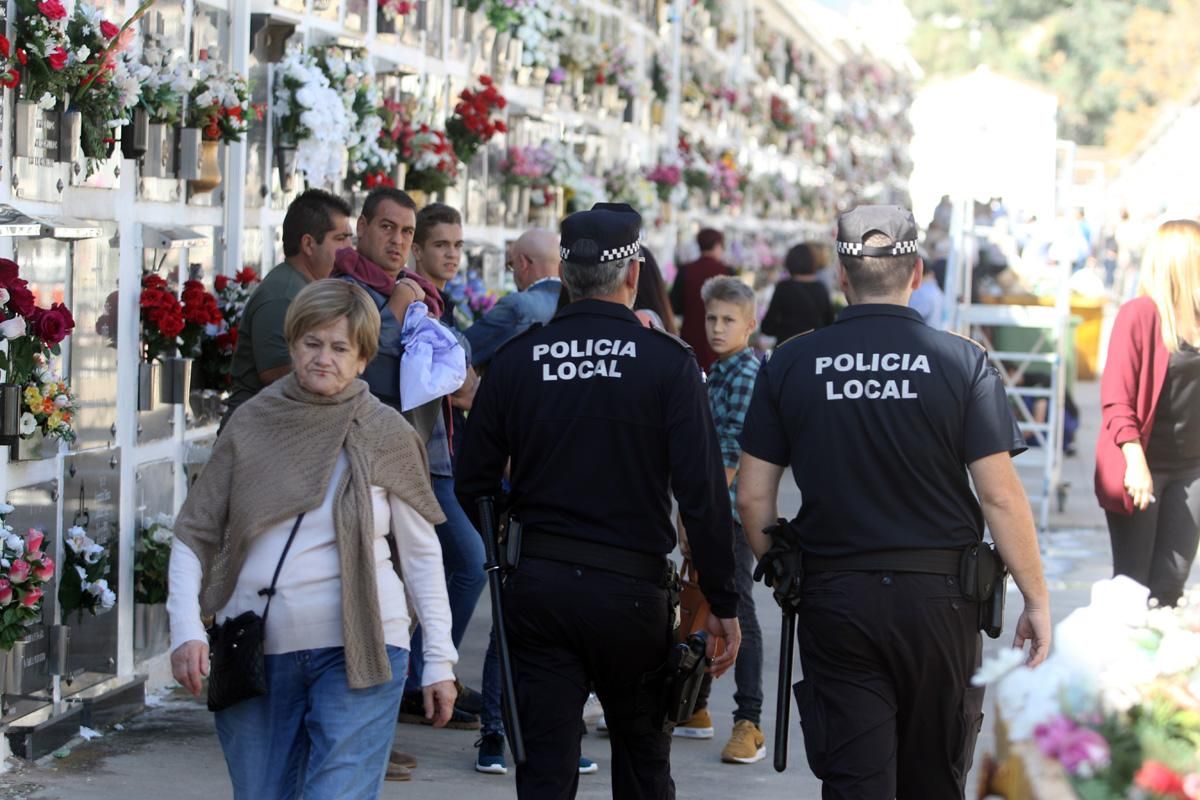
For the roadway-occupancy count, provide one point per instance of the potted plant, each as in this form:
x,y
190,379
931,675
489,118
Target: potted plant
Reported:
x,y
34,336
215,359
24,570
36,61
83,585
152,555
432,162
164,85
105,88
218,111
161,322
312,127
472,125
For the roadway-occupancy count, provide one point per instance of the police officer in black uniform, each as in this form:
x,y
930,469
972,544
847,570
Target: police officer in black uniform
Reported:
x,y
602,418
881,418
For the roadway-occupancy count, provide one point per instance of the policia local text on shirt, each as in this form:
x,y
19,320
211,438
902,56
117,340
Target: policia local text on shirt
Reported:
x,y
603,419
880,419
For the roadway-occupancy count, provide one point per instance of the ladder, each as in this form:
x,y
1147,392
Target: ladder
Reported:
x,y
980,322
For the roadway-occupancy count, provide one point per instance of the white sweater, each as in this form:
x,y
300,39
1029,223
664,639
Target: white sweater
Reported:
x,y
306,612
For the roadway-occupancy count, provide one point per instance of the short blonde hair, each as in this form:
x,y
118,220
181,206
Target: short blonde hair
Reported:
x,y
1171,278
728,289
323,303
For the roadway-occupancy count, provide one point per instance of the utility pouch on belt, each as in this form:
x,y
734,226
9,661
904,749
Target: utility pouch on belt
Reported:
x,y
510,548
685,672
983,578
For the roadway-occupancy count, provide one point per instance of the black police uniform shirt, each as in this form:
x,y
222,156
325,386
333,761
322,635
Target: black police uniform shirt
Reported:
x,y
602,418
878,416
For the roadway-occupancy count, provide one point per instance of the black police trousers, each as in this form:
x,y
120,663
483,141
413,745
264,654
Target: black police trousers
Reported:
x,y
886,704
571,628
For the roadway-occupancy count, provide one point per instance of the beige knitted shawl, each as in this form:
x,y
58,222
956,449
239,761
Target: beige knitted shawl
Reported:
x,y
273,461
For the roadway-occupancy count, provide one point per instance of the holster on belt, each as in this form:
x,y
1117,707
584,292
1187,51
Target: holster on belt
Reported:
x,y
984,579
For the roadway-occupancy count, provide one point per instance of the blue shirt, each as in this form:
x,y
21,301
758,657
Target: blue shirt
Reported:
x,y
730,387
514,313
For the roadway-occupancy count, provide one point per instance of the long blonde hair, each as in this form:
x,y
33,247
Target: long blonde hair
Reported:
x,y
1171,278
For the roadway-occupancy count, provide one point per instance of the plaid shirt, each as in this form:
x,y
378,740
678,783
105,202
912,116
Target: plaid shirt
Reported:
x,y
730,385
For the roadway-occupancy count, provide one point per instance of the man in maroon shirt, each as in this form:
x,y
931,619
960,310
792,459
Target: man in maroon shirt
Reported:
x,y
685,292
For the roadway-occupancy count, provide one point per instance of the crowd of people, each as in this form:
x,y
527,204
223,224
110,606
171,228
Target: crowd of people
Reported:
x,y
364,426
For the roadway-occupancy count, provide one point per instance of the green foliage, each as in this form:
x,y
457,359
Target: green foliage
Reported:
x,y
1074,49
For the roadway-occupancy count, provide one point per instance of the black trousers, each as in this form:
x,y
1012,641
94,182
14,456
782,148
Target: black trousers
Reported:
x,y
886,704
1156,547
571,627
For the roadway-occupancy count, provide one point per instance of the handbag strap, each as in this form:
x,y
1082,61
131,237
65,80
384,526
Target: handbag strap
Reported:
x,y
270,591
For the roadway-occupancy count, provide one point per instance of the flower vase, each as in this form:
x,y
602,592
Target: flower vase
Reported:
x,y
25,124
135,137
210,168
524,201
499,50
400,174
610,96
516,48
148,379
10,415
285,162
419,196
189,153
70,137
159,160
512,201
175,379
150,633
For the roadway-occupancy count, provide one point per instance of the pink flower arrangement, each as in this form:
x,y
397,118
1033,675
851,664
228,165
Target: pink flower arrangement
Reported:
x,y
1082,751
23,570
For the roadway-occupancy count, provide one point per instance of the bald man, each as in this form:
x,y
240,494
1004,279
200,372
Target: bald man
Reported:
x,y
533,259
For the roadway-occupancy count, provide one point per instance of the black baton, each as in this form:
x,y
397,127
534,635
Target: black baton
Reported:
x,y
512,723
783,699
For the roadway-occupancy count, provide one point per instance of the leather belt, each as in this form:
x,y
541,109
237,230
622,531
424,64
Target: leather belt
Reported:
x,y
644,566
934,562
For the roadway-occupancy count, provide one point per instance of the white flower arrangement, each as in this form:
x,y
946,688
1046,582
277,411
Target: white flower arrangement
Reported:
x,y
351,72
84,586
582,190
310,113
543,24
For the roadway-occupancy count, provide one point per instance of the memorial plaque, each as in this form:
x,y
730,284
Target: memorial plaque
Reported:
x,y
164,25
36,506
38,174
91,494
327,9
356,15
93,354
299,6
261,180
252,249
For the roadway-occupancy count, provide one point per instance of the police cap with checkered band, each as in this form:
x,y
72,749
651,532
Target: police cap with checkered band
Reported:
x,y
608,232
857,225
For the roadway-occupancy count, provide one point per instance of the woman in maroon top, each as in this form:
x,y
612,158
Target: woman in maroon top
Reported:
x,y
1148,454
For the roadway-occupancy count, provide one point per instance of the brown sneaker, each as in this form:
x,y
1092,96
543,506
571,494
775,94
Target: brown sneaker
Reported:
x,y
747,745
395,772
700,726
402,759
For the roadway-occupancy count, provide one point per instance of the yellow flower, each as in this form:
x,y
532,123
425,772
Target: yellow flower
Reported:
x,y
33,397
54,421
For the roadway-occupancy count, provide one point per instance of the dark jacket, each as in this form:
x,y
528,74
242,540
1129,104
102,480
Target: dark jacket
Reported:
x,y
686,300
797,307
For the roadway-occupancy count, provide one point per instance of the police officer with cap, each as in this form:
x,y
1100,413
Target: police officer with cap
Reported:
x,y
880,419
602,419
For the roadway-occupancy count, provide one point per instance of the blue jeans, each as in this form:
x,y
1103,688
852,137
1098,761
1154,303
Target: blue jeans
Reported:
x,y
311,735
462,558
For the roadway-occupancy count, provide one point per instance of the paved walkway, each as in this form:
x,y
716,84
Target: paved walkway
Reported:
x,y
171,750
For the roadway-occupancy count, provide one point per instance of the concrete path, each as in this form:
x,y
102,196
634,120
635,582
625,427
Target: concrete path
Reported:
x,y
171,751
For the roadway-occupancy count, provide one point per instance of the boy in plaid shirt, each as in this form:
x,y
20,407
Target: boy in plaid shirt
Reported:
x,y
729,307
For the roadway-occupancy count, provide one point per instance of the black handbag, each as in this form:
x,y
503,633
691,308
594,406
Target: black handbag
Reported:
x,y
237,668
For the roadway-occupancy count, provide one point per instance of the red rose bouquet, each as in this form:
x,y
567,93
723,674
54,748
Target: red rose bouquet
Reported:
x,y
201,317
24,568
162,319
472,126
219,342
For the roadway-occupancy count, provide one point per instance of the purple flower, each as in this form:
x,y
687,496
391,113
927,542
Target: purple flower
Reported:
x,y
558,75
1082,751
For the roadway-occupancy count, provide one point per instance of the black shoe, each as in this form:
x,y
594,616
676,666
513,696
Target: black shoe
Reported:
x,y
412,711
468,699
490,758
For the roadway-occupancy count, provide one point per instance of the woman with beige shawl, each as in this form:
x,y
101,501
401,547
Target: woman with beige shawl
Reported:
x,y
316,446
